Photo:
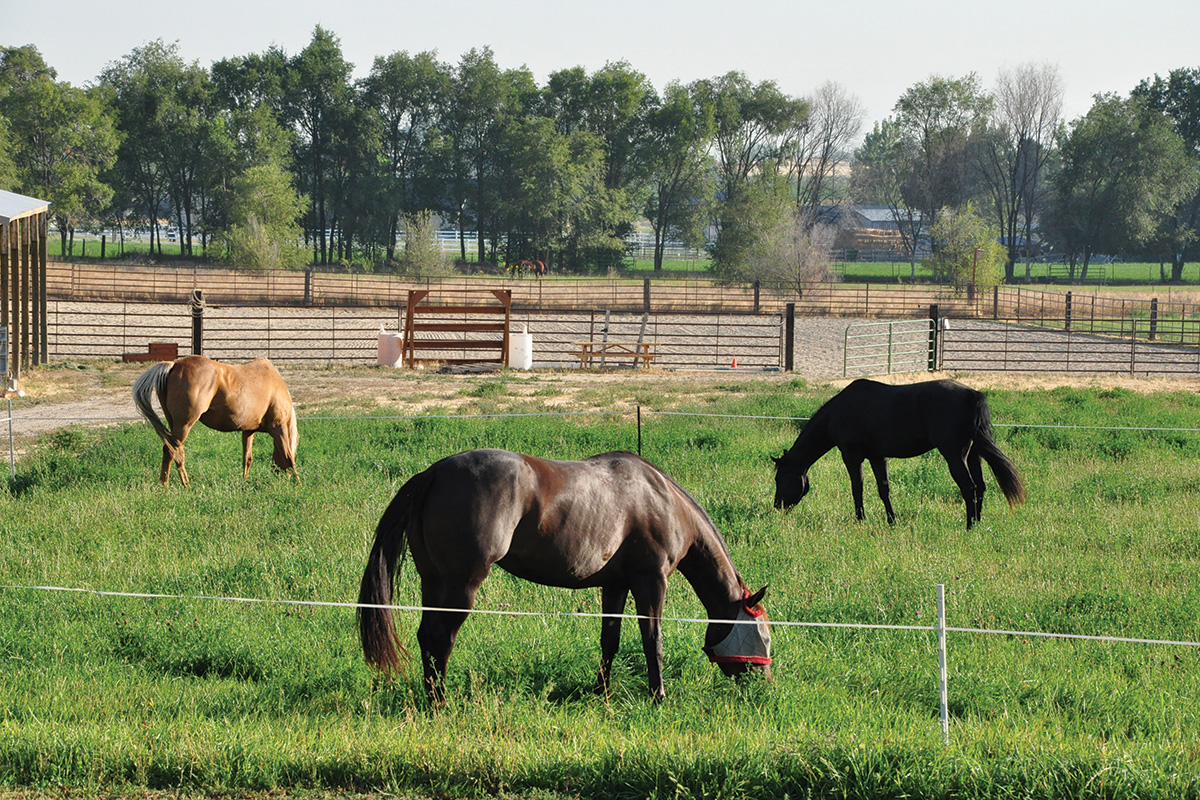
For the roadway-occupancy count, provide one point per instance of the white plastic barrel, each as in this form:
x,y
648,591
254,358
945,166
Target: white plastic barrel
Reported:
x,y
390,349
520,350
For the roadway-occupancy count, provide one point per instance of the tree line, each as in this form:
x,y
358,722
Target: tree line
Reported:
x,y
279,160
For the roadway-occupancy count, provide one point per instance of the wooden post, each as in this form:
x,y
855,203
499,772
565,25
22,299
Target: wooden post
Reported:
x,y
41,328
14,296
4,275
1067,313
197,309
1153,318
933,336
646,295
789,337
23,244
756,290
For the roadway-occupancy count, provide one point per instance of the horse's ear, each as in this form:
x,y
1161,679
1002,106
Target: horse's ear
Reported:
x,y
757,597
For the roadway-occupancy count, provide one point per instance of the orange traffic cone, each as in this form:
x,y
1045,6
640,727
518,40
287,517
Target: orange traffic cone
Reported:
x,y
734,364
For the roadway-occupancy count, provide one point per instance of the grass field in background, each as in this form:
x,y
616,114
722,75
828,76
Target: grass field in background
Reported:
x,y
222,697
1118,274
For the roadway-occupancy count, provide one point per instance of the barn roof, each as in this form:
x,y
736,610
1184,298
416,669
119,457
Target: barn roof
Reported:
x,y
17,206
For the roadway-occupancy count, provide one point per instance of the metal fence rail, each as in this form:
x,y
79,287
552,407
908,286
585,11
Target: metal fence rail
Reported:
x,y
996,346
338,334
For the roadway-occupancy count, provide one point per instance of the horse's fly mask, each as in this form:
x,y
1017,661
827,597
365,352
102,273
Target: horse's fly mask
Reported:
x,y
749,641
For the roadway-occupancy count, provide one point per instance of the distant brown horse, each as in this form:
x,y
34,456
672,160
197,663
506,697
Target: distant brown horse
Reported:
x,y
249,398
613,521
535,268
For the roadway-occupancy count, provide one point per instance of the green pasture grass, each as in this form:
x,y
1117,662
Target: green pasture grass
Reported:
x,y
128,693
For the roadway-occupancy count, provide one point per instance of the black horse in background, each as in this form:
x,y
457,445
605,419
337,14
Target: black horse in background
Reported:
x,y
875,421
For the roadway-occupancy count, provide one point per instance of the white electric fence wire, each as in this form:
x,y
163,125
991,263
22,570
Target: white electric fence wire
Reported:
x,y
613,413
509,612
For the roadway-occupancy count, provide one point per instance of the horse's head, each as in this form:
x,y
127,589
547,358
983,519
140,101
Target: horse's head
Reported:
x,y
745,644
284,454
791,482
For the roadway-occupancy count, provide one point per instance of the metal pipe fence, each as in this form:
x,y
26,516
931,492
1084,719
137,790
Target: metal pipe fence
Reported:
x,y
337,334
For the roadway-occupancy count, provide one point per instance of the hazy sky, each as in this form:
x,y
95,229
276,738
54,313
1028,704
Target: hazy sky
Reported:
x,y
875,49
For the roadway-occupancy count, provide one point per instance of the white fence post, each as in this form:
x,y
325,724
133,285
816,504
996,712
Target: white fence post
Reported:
x,y
945,693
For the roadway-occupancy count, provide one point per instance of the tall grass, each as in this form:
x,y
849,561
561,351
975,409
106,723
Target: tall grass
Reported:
x,y
217,696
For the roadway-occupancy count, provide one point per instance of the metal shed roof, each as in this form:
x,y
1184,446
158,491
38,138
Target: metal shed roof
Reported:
x,y
18,206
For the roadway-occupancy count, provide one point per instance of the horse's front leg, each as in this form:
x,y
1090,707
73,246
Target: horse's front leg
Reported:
x,y
853,462
879,467
612,602
247,452
649,592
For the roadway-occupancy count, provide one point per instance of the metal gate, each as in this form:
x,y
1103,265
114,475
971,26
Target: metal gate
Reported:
x,y
881,348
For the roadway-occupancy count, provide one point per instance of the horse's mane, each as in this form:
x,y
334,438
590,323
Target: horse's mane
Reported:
x,y
699,509
816,423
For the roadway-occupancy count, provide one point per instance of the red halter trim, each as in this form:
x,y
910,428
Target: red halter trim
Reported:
x,y
761,661
756,611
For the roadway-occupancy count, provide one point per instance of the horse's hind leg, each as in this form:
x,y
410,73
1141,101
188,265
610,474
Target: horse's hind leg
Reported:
x,y
975,467
164,475
879,467
957,461
439,629
612,601
180,434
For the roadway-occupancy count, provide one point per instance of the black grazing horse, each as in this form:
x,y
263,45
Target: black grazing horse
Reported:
x,y
613,521
874,421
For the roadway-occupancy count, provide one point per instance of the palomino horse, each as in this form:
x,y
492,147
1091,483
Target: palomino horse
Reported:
x,y
874,421
613,521
249,398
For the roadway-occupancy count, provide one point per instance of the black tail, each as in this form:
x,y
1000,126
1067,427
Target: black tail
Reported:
x,y
1002,466
376,625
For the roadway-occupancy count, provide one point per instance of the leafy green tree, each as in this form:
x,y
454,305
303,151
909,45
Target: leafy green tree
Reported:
x,y
143,88
8,169
484,102
752,123
679,171
1122,170
881,174
747,248
265,232
936,120
317,98
422,256
611,104
408,93
1177,96
556,207
62,139
968,250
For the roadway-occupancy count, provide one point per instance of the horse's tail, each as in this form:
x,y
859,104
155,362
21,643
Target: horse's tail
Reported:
x,y
376,625
151,382
1002,466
